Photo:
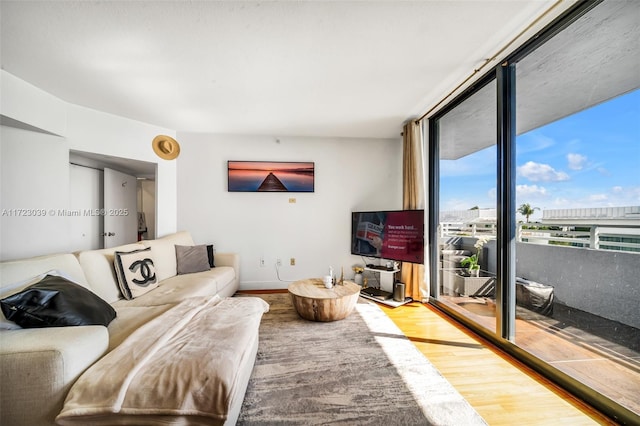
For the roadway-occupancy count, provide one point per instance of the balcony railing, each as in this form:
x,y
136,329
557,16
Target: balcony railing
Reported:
x,y
473,229
620,238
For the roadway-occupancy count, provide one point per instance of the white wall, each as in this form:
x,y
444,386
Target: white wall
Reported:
x,y
26,103
191,193
35,165
350,174
34,187
106,134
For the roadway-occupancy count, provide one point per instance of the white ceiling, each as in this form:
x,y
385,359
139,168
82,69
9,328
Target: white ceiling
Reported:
x,y
296,68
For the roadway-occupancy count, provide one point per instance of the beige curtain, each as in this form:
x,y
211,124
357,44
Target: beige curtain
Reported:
x,y
413,198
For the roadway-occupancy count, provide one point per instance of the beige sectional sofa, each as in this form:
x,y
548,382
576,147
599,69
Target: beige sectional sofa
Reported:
x,y
38,366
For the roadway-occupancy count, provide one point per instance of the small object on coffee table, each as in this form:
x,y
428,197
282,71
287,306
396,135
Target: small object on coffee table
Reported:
x,y
314,302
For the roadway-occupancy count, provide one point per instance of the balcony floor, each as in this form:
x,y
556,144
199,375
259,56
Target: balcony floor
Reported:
x,y
601,353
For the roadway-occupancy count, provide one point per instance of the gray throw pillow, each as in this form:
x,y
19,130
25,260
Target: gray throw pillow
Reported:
x,y
192,259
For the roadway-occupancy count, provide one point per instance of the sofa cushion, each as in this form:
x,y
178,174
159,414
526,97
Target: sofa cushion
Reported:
x,y
191,259
176,289
164,252
98,266
55,302
136,272
18,274
226,279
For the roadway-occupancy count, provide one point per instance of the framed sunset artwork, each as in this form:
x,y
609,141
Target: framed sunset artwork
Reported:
x,y
270,176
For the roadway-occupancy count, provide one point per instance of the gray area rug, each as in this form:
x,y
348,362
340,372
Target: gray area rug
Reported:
x,y
358,371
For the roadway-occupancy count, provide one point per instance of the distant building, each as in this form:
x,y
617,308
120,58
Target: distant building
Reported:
x,y
620,216
485,215
603,228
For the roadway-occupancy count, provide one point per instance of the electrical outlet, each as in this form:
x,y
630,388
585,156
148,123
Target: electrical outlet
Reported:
x,y
292,261
279,262
262,261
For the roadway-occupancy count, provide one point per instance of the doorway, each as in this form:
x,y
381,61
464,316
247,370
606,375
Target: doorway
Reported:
x,y
110,196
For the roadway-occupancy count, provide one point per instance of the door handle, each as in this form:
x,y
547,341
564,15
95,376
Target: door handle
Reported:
x,y
109,234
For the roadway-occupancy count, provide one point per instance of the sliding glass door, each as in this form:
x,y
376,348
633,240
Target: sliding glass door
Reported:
x,y
536,197
467,199
578,189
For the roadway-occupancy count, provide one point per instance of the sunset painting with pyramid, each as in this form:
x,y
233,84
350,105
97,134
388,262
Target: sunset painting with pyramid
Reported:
x,y
268,176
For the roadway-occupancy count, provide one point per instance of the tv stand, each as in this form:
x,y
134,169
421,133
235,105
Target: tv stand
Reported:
x,y
387,276
372,267
381,269
389,302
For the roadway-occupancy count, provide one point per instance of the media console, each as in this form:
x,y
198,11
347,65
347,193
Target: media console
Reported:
x,y
372,267
384,294
376,293
388,302
387,276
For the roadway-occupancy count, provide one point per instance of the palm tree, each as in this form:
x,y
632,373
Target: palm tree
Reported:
x,y
526,210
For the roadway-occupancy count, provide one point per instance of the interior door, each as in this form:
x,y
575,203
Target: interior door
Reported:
x,y
86,188
120,208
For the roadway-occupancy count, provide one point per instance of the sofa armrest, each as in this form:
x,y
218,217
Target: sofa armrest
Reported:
x,y
229,259
38,367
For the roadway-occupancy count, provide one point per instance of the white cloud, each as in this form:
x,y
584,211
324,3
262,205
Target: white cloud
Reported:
x,y
598,197
541,172
576,161
623,196
561,203
455,204
618,196
534,142
530,191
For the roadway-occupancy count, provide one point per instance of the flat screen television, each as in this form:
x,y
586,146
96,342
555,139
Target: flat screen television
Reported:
x,y
389,234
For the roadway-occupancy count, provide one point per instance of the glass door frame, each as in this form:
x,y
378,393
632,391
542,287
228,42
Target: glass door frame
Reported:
x,y
503,337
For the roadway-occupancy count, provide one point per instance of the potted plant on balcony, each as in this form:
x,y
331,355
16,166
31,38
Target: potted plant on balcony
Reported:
x,y
471,262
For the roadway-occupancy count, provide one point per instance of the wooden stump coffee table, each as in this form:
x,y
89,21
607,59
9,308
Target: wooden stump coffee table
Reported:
x,y
316,303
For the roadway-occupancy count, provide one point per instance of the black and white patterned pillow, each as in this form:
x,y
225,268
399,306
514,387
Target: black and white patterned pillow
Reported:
x,y
136,272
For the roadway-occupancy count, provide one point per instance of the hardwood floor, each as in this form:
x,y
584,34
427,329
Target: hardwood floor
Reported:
x,y
502,390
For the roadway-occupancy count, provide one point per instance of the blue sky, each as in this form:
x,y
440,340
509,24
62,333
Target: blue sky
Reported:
x,y
589,159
